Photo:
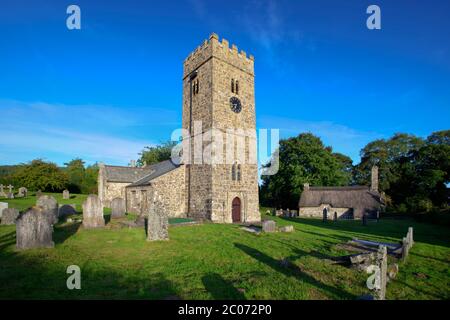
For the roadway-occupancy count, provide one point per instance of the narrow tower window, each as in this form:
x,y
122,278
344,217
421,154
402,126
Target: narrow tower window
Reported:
x,y
238,172
237,87
232,85
233,172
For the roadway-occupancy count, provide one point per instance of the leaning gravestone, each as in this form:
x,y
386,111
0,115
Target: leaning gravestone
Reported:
x,y
66,194
3,206
66,210
93,213
23,192
50,206
268,226
34,229
9,216
157,222
118,208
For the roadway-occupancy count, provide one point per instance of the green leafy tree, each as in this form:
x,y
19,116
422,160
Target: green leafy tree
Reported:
x,y
303,159
76,174
89,184
41,175
151,155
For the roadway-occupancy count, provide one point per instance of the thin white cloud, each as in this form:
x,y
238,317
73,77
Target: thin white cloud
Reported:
x,y
57,131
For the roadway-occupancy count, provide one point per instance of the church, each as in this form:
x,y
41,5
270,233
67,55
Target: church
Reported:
x,y
219,94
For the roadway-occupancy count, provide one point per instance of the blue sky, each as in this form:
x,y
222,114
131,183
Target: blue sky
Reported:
x,y
104,92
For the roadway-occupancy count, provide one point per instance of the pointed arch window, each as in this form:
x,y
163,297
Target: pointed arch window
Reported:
x,y
238,173
233,172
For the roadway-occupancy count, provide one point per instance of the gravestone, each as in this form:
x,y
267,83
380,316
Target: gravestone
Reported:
x,y
34,229
10,195
410,236
364,219
118,208
93,212
294,213
3,205
287,229
9,216
324,214
269,226
335,216
2,191
157,221
66,194
38,194
23,192
381,262
66,210
50,206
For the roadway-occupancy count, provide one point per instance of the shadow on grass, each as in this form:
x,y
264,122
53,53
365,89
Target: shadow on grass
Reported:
x,y
221,289
62,233
7,239
292,270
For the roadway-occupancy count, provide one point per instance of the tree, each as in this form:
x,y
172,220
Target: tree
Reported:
x,y
387,155
76,174
303,159
41,175
161,152
89,184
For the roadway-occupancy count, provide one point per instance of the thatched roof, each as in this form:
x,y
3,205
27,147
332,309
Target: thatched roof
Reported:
x,y
157,169
341,197
125,174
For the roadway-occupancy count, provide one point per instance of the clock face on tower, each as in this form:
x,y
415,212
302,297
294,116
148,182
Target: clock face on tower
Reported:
x,y
235,104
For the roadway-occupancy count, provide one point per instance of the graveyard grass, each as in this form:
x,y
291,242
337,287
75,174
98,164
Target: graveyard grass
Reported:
x,y
216,261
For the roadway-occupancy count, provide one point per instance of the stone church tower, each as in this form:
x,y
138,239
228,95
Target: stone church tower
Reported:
x,y
219,100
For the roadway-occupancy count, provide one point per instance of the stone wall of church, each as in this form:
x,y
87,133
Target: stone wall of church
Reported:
x,y
317,212
169,186
113,190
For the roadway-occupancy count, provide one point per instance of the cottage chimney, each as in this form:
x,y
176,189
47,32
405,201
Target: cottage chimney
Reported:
x,y
374,183
305,186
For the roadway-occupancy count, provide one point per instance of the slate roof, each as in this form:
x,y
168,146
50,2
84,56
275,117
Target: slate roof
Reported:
x,y
125,174
341,197
157,169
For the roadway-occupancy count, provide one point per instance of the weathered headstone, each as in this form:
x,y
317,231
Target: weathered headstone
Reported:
x,y
294,213
2,191
335,216
269,226
410,236
405,248
286,229
9,216
157,222
118,208
10,195
3,205
324,214
364,219
381,262
23,192
34,229
38,194
50,206
66,194
93,212
66,210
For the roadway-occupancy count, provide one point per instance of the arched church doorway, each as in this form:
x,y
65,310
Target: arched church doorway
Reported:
x,y
236,211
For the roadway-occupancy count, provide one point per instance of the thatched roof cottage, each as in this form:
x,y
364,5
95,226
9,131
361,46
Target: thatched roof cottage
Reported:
x,y
346,202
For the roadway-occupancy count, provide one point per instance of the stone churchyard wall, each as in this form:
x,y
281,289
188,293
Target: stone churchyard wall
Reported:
x,y
317,212
169,186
